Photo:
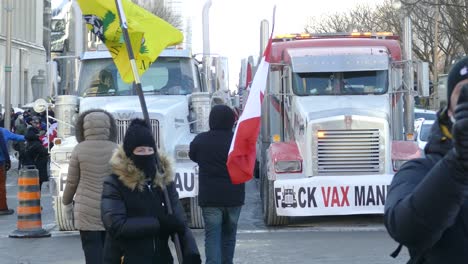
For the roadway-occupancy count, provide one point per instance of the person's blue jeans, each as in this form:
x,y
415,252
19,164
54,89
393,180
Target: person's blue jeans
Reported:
x,y
220,233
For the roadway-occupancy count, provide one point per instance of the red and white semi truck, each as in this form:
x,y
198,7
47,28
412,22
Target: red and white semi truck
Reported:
x,y
333,124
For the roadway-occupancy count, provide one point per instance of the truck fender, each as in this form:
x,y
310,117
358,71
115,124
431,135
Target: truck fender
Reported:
x,y
281,151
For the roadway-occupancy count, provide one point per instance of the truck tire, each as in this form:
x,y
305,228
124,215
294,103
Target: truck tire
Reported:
x,y
62,222
269,211
193,212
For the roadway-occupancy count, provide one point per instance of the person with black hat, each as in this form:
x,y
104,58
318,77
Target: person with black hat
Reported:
x,y
133,206
426,208
221,200
34,153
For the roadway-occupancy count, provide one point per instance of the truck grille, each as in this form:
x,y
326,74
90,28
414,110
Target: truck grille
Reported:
x,y
348,151
122,126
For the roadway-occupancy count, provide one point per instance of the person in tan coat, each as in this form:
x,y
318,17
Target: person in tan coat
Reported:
x,y
96,134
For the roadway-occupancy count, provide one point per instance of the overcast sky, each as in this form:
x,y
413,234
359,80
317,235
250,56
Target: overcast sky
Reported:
x,y
235,24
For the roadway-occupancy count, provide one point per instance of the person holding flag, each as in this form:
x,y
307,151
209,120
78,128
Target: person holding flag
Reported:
x,y
134,44
133,208
221,200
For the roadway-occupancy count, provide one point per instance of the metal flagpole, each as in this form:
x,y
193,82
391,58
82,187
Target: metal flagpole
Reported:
x,y
139,90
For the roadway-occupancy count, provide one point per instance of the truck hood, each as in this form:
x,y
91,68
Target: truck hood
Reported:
x,y
121,105
316,107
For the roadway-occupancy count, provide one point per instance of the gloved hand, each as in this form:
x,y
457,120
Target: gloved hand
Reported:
x,y
192,259
7,165
68,209
460,128
170,224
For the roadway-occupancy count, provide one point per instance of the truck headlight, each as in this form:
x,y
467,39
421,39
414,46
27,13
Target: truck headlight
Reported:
x,y
182,153
285,166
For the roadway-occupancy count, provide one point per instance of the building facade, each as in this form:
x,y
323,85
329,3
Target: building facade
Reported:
x,y
28,55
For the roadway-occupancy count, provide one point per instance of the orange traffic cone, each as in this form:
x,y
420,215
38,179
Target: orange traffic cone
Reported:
x,y
29,224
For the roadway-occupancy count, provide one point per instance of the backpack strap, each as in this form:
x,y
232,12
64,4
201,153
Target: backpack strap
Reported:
x,y
413,260
396,252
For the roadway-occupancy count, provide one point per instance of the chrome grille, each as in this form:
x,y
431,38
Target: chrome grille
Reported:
x,y
348,151
122,126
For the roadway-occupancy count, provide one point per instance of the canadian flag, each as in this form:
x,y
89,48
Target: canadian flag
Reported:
x,y
241,158
50,135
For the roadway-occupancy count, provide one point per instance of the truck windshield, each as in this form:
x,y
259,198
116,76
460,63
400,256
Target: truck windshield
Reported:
x,y
167,76
340,83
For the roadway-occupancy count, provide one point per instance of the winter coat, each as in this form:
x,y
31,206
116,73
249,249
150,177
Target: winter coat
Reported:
x,y
34,154
426,208
130,217
210,150
11,136
20,126
96,133
4,155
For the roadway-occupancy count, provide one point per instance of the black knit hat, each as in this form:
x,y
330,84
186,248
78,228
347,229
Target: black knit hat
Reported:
x,y
458,73
138,134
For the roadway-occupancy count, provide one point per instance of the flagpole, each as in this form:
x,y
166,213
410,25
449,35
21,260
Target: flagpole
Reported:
x,y
131,56
141,96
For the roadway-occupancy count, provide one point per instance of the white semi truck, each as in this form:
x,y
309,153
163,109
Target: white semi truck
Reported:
x,y
178,106
179,92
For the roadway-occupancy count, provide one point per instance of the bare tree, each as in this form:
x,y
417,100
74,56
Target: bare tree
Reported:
x,y
456,20
158,8
361,18
385,18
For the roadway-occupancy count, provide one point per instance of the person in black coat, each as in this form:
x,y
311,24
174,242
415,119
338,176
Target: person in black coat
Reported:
x,y
133,207
221,200
426,208
34,153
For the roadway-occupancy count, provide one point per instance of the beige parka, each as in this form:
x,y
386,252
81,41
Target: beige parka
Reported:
x,y
89,164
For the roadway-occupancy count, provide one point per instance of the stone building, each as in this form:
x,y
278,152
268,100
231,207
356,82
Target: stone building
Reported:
x,y
28,54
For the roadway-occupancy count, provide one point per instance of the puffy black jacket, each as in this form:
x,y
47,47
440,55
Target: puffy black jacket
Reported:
x,y
210,150
426,208
130,215
35,154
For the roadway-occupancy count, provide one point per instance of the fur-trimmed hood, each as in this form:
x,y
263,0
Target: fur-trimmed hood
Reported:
x,y
96,127
132,177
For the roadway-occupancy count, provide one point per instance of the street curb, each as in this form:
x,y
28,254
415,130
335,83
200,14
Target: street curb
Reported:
x,y
57,233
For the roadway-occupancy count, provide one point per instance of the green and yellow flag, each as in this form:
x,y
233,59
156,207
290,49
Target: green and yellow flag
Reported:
x,y
149,34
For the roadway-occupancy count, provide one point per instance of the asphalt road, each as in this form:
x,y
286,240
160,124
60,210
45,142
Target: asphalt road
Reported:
x,y
356,239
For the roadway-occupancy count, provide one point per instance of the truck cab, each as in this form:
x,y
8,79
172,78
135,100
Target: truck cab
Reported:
x,y
178,106
332,125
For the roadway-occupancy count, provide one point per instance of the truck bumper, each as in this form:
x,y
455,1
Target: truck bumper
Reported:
x,y
334,195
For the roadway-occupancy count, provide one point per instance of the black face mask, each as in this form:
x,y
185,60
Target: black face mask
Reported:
x,y
146,163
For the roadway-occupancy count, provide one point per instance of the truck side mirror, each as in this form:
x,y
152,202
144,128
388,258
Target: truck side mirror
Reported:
x,y
423,78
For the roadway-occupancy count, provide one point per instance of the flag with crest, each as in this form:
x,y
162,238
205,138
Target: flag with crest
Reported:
x,y
149,34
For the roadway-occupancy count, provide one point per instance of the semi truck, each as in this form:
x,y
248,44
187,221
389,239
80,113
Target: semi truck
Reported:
x,y
179,92
334,127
